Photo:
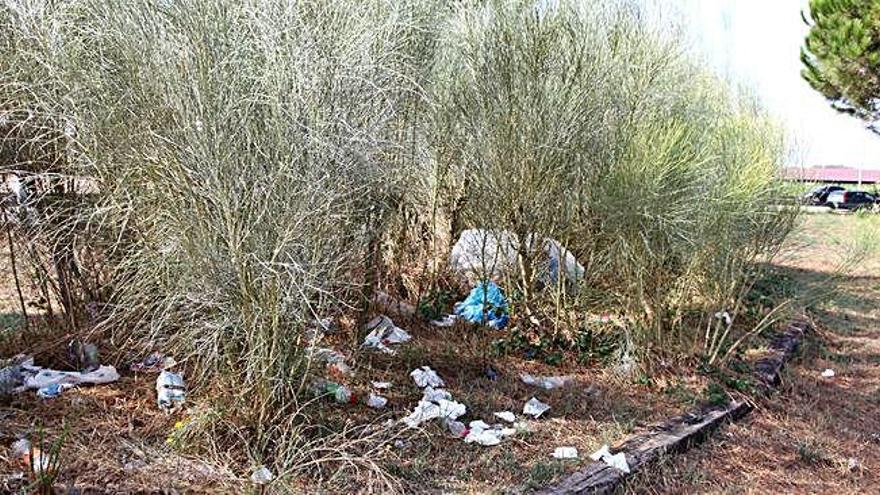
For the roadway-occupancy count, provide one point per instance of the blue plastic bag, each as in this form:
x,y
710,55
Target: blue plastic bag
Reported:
x,y
485,305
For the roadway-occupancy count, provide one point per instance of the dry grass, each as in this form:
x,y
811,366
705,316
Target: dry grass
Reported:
x,y
803,440
797,442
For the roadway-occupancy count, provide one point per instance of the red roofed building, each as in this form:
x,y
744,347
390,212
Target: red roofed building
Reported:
x,y
835,175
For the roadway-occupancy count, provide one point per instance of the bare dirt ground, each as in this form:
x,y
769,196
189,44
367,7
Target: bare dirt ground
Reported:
x,y
819,435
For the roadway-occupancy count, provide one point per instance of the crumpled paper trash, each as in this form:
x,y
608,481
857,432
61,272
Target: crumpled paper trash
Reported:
x,y
383,332
376,401
425,377
535,408
546,382
446,321
565,453
828,373
506,416
451,410
617,461
424,411
436,394
482,433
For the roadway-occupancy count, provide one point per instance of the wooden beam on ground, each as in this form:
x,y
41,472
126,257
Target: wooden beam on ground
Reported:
x,y
679,433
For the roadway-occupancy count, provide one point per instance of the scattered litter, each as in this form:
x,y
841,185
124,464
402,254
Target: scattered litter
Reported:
x,y
565,453
20,447
853,464
617,461
724,317
335,360
425,377
154,363
481,254
491,374
828,373
485,305
535,408
546,382
506,416
37,378
479,424
381,385
170,391
262,475
483,434
12,376
383,332
31,456
424,411
53,390
340,393
390,303
483,437
457,428
446,321
376,401
436,394
83,355
399,444
451,410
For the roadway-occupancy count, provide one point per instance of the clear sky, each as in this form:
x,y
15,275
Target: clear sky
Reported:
x,y
757,42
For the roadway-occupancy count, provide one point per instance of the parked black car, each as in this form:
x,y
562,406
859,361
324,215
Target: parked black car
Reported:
x,y
851,200
819,195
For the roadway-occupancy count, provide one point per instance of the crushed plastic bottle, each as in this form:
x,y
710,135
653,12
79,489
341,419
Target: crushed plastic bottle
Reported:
x,y
170,391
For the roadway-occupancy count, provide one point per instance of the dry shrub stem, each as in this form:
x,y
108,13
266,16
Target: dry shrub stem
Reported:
x,y
239,169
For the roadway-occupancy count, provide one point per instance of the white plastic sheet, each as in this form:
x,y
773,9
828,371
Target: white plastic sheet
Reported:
x,y
535,408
